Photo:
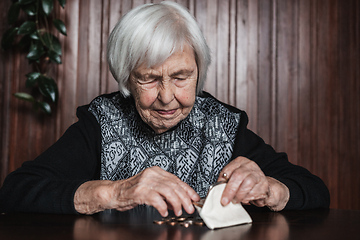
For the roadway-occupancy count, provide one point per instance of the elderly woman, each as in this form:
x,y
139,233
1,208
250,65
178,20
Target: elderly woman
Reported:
x,y
160,140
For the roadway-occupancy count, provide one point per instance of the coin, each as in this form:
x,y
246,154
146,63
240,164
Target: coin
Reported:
x,y
185,224
172,223
199,223
159,222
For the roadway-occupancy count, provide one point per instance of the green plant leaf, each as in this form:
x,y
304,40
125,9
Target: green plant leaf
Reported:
x,y
23,2
36,51
45,107
24,96
27,28
13,13
60,26
47,6
29,9
54,57
32,79
62,3
34,35
8,38
52,43
48,88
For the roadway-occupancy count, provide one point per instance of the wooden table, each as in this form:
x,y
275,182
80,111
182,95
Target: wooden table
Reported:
x,y
138,224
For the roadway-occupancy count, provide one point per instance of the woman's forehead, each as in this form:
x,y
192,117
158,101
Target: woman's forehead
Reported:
x,y
182,60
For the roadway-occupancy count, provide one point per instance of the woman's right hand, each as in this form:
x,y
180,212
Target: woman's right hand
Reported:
x,y
153,186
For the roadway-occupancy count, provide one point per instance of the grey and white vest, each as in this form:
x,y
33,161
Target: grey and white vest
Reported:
x,y
195,150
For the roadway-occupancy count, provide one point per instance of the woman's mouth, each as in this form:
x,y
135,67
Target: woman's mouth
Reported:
x,y
166,112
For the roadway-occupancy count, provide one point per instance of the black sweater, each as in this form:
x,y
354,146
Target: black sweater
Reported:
x,y
48,183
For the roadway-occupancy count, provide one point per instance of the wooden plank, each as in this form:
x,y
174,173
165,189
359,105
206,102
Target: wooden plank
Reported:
x,y
69,72
83,53
241,58
250,86
348,64
232,52
5,96
304,86
265,59
222,52
210,14
95,49
287,80
325,78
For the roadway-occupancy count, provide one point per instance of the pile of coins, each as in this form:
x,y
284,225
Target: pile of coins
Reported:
x,y
182,221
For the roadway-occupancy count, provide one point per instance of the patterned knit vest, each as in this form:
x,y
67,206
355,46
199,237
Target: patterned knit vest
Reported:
x,y
195,150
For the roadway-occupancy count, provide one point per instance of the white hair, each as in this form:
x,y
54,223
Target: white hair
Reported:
x,y
150,34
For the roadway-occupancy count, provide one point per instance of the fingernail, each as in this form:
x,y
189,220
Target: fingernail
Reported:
x,y
224,201
191,208
166,214
179,213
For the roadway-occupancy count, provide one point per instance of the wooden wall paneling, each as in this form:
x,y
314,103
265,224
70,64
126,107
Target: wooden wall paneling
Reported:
x,y
333,97
356,118
60,76
325,77
265,84
185,3
222,51
250,88
286,102
95,50
83,52
313,86
104,34
232,53
5,96
69,68
241,59
304,76
116,10
136,3
348,127
210,32
20,114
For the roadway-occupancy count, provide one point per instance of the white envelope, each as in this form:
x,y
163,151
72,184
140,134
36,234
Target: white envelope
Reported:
x,y
216,215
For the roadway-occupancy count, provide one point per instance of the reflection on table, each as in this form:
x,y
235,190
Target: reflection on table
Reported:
x,y
138,224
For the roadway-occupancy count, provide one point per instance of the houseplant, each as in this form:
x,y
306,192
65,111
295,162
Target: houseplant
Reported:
x,y
33,33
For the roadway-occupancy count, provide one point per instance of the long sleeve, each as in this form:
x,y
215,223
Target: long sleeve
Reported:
x,y
307,191
48,183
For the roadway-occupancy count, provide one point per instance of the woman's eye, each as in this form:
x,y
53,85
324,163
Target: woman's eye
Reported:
x,y
149,83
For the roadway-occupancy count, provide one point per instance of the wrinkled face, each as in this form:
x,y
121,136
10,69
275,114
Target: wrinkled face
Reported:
x,y
164,95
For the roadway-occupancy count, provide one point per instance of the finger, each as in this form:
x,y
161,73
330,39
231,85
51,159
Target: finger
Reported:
x,y
233,186
175,195
185,193
158,203
246,186
190,191
227,171
259,191
259,202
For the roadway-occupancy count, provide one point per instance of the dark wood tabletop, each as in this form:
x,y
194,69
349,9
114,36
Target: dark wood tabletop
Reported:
x,y
139,224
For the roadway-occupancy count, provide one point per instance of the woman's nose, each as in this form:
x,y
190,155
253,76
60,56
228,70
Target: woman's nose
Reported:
x,y
166,92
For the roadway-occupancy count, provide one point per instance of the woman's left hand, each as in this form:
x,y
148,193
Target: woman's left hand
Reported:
x,y
248,184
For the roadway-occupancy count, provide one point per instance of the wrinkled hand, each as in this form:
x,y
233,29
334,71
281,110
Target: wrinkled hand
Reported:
x,y
248,184
153,186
